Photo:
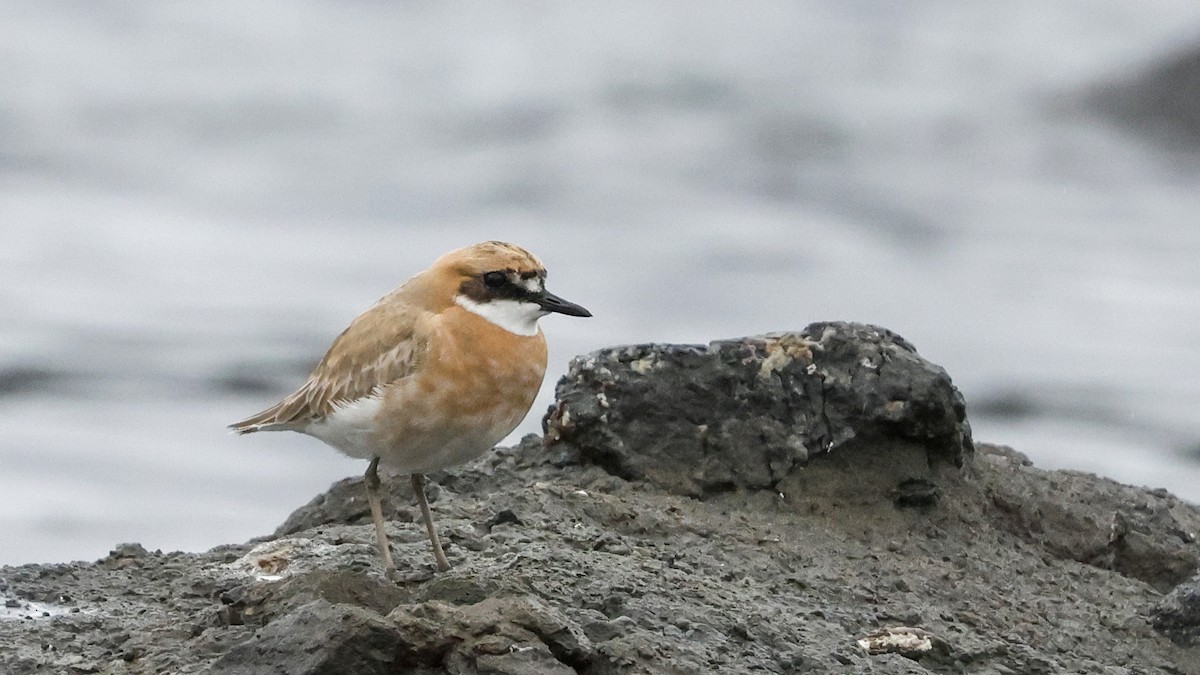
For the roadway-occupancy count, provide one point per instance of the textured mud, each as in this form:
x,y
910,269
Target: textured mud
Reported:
x,y
775,552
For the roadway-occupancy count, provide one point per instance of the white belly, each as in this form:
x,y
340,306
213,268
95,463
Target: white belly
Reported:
x,y
350,428
354,429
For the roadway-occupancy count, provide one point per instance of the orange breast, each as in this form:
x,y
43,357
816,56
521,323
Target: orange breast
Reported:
x,y
475,386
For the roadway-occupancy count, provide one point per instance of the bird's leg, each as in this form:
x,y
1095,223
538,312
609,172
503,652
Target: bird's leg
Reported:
x,y
418,483
371,479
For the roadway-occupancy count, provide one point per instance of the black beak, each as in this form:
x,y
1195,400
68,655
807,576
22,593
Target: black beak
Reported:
x,y
552,303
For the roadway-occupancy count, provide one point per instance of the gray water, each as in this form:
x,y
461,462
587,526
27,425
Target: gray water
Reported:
x,y
196,197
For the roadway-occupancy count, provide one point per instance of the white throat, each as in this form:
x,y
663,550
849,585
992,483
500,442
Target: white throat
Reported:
x,y
519,318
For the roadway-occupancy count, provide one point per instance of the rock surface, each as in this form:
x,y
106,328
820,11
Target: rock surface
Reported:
x,y
743,413
770,551
1178,614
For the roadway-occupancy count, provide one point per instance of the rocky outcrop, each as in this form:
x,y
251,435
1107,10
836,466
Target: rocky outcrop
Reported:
x,y
1149,535
744,413
859,530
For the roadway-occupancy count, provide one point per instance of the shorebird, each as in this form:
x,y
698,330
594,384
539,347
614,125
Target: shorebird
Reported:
x,y
433,375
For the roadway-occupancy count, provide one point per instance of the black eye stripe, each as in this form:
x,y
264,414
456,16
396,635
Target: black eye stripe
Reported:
x,y
504,284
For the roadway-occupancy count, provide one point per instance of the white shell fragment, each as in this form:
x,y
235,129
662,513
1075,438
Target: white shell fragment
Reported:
x,y
902,640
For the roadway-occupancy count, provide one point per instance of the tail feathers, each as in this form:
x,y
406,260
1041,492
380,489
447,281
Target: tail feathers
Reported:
x,y
267,420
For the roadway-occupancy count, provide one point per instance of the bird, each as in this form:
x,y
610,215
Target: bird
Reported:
x,y
432,375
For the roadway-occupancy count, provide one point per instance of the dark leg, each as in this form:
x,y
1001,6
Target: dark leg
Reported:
x,y
371,479
418,483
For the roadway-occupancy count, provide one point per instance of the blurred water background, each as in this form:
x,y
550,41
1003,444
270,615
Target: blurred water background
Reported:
x,y
195,198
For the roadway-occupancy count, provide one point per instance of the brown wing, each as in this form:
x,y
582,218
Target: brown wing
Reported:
x,y
381,346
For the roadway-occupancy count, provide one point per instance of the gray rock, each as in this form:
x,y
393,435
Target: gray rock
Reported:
x,y
346,503
503,635
320,638
1178,614
1148,535
698,420
573,556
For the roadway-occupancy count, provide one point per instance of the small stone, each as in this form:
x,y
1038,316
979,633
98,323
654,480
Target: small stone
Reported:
x,y
505,517
129,550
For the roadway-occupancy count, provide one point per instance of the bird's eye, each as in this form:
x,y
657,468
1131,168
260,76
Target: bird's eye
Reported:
x,y
495,279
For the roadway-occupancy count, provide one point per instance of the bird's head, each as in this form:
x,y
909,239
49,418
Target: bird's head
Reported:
x,y
504,284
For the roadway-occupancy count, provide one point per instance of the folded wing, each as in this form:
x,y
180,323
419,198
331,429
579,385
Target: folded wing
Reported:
x,y
381,346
